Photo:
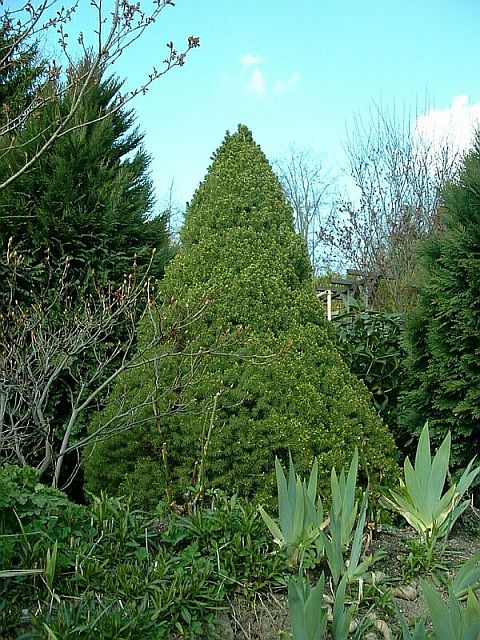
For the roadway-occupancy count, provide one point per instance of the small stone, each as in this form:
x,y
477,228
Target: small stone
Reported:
x,y
405,592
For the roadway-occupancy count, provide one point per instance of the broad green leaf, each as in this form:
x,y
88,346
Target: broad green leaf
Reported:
x,y
349,496
298,512
453,517
333,550
341,616
467,576
405,507
313,481
357,540
439,614
272,526
472,617
446,503
284,511
423,456
15,573
438,472
336,495
467,477
307,612
456,614
315,612
296,597
417,492
292,480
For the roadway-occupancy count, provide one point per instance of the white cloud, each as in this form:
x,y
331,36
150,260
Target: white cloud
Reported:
x,y
249,59
289,84
251,77
455,125
257,83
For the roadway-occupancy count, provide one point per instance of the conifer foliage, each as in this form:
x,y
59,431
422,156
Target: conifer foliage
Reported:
x,y
273,383
20,72
71,229
443,335
89,196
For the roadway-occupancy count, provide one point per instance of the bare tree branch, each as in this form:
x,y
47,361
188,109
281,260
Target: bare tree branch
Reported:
x,y
119,24
308,186
59,343
399,177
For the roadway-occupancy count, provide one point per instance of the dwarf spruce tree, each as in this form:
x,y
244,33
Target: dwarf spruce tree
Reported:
x,y
443,334
256,375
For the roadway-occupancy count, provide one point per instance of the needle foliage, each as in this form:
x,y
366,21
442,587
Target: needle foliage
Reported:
x,y
443,334
273,382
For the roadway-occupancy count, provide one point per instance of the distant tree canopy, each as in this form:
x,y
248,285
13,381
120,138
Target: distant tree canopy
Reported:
x,y
398,174
443,334
273,383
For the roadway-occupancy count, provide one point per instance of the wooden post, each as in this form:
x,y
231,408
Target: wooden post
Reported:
x,y
329,305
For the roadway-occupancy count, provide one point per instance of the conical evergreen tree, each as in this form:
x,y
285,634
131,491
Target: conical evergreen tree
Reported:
x,y
278,384
443,334
89,196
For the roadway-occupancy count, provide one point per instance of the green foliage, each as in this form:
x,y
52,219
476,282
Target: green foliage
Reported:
x,y
260,347
370,343
110,571
342,540
303,533
300,513
80,220
421,499
20,75
30,514
231,531
89,196
450,620
308,614
442,335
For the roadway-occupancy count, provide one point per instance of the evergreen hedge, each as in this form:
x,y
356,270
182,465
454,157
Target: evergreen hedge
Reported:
x,y
278,383
443,334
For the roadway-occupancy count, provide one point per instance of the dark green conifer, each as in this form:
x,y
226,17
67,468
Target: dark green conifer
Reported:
x,y
278,383
21,71
89,196
443,334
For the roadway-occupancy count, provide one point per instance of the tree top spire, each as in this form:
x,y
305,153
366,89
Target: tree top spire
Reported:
x,y
240,189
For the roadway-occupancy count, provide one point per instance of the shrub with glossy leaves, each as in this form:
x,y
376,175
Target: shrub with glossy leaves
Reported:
x,y
370,342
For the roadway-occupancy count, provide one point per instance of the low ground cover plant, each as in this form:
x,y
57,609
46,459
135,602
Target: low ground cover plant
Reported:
x,y
109,571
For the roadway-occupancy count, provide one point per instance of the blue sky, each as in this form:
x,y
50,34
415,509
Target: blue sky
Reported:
x,y
297,73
